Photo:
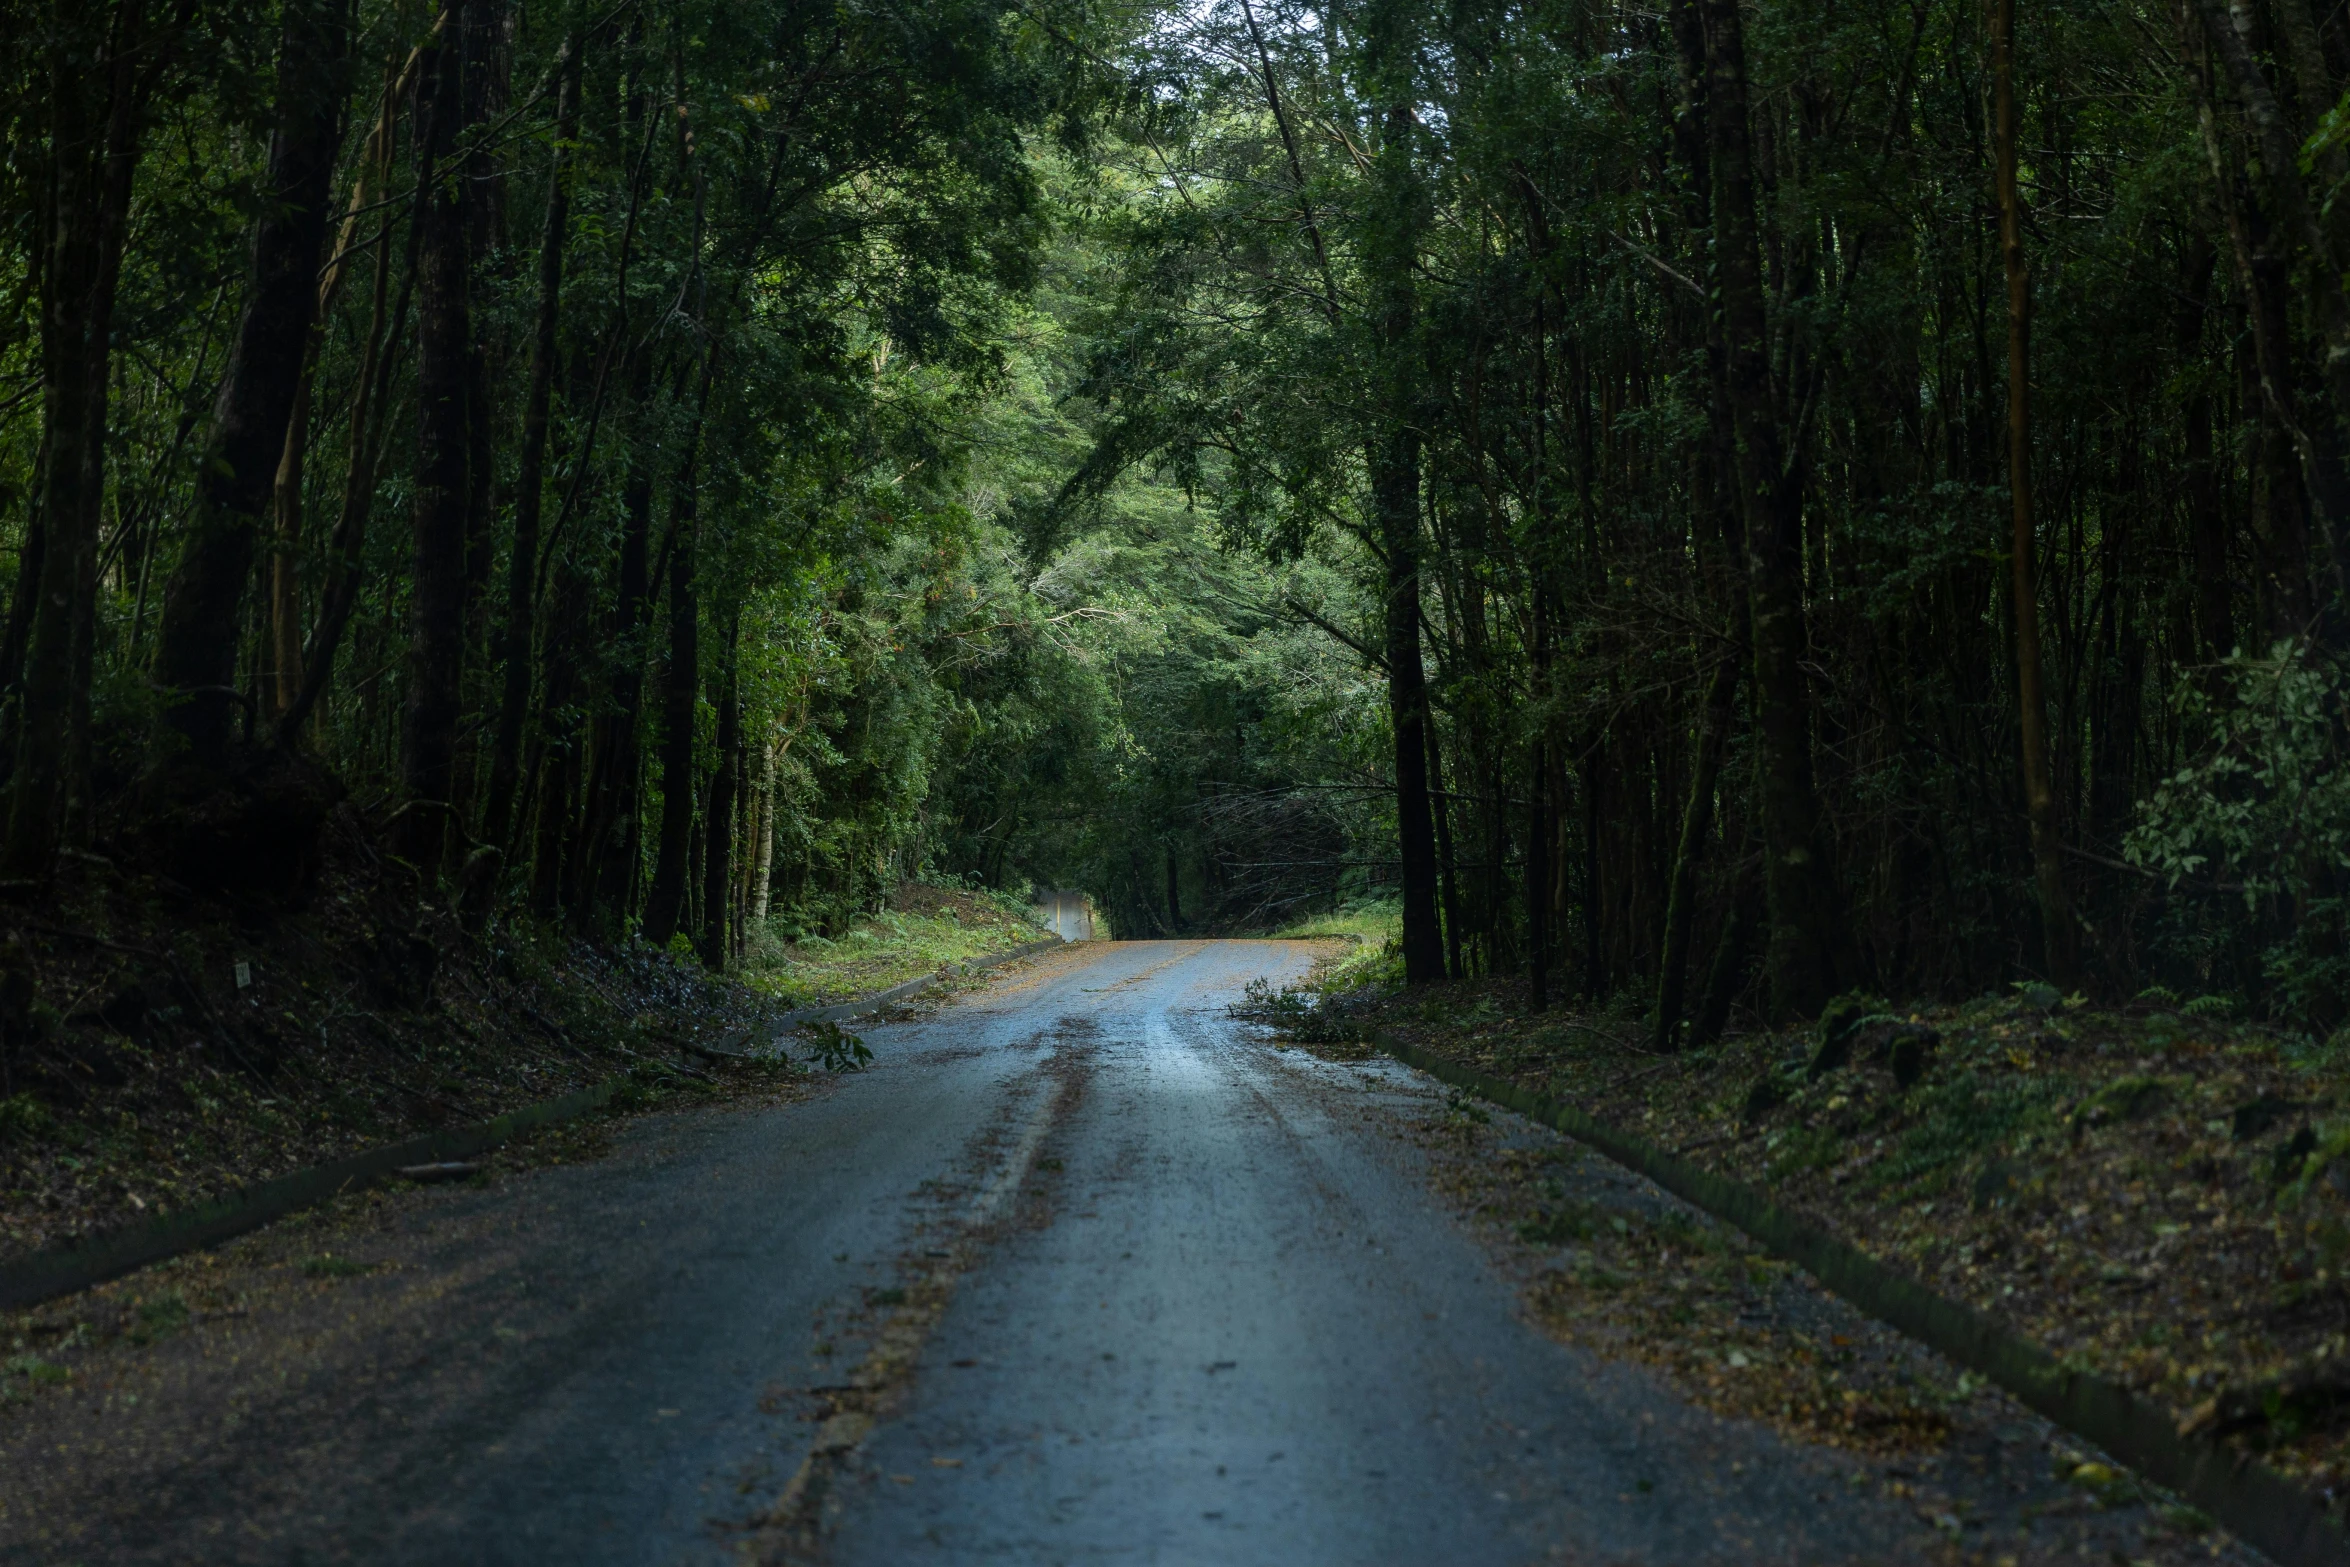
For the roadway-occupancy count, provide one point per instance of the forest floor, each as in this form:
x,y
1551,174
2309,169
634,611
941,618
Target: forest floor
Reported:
x,y
160,1048
924,929
2151,1190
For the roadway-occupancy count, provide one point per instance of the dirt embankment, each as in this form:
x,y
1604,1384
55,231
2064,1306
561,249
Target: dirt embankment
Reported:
x,y
160,1045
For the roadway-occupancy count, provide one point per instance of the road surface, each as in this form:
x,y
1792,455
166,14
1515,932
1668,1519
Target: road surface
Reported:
x,y
1080,1270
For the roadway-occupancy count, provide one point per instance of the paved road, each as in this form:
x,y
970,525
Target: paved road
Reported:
x,y
1078,1271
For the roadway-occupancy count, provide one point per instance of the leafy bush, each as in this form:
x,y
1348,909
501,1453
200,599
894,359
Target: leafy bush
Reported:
x,y
2265,813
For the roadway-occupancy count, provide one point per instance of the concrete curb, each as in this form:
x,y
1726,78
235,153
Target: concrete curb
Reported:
x,y
61,1270
2253,1501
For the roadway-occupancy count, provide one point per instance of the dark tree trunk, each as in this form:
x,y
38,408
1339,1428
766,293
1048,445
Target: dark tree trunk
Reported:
x,y
436,563
1538,880
515,649
1174,893
1713,733
1809,948
719,845
608,842
2058,933
1440,804
1593,776
672,864
1728,975
560,764
198,635
1394,460
2207,519
99,73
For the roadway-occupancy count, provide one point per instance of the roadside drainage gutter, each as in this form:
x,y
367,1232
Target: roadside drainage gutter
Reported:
x,y
2253,1501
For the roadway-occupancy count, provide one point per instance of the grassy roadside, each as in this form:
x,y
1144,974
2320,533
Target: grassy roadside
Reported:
x,y
924,929
2153,1191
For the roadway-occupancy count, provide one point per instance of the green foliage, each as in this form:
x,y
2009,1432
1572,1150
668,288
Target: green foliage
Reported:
x,y
1954,1118
158,1316
23,1118
2266,810
834,1048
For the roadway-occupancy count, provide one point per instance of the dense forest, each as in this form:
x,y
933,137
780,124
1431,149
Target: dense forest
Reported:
x,y
1709,504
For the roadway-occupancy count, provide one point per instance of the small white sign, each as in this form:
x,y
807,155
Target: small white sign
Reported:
x,y
244,975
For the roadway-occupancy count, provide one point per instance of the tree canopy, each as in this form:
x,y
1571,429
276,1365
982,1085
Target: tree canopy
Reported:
x,y
1706,503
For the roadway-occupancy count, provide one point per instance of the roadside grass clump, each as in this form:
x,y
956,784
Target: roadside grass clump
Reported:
x,y
1374,922
924,930
158,1317
21,1374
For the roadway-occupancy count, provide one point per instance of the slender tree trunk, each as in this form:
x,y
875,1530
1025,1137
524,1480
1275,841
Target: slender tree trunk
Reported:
x,y
27,596
609,846
762,879
1440,803
560,743
672,865
96,104
369,442
1593,776
1809,950
1713,734
1538,880
436,566
285,573
2056,915
1728,974
718,847
1395,504
515,650
203,601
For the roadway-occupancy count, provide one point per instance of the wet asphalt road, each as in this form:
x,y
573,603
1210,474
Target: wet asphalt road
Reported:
x,y
1079,1271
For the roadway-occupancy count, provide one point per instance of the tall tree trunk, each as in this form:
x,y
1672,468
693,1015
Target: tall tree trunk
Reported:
x,y
560,743
287,650
1538,880
1440,802
436,562
1809,949
608,853
99,72
672,865
199,633
2207,519
1713,734
515,649
719,847
1395,504
762,878
2056,914
1592,772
